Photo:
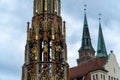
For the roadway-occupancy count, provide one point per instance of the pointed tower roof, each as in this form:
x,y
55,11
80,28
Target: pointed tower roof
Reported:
x,y
86,40
101,48
85,21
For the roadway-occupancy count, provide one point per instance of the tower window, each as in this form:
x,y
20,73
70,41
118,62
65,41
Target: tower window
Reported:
x,y
101,76
111,78
104,77
96,76
108,77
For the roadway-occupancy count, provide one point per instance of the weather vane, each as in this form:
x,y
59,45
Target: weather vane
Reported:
x,y
85,8
100,16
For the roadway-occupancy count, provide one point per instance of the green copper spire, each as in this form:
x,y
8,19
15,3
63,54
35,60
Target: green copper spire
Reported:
x,y
85,18
85,21
86,40
101,48
86,51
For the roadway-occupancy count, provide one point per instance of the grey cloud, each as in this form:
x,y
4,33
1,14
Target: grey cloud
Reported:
x,y
14,15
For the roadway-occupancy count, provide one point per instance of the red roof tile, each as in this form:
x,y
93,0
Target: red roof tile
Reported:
x,y
83,69
88,77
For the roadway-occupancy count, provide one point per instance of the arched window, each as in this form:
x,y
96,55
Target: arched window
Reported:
x,y
111,78
96,77
93,77
108,77
49,6
101,76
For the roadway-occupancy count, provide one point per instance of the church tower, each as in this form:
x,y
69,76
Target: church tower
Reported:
x,y
86,51
46,49
101,48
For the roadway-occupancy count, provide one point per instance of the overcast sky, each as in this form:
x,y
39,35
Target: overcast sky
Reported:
x,y
14,15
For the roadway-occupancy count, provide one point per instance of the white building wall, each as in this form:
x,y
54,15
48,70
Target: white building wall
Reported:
x,y
113,67
102,75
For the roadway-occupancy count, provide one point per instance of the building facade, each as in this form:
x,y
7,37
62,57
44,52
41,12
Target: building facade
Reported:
x,y
46,49
112,70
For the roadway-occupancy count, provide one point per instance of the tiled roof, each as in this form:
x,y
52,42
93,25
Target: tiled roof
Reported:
x,y
88,77
85,68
